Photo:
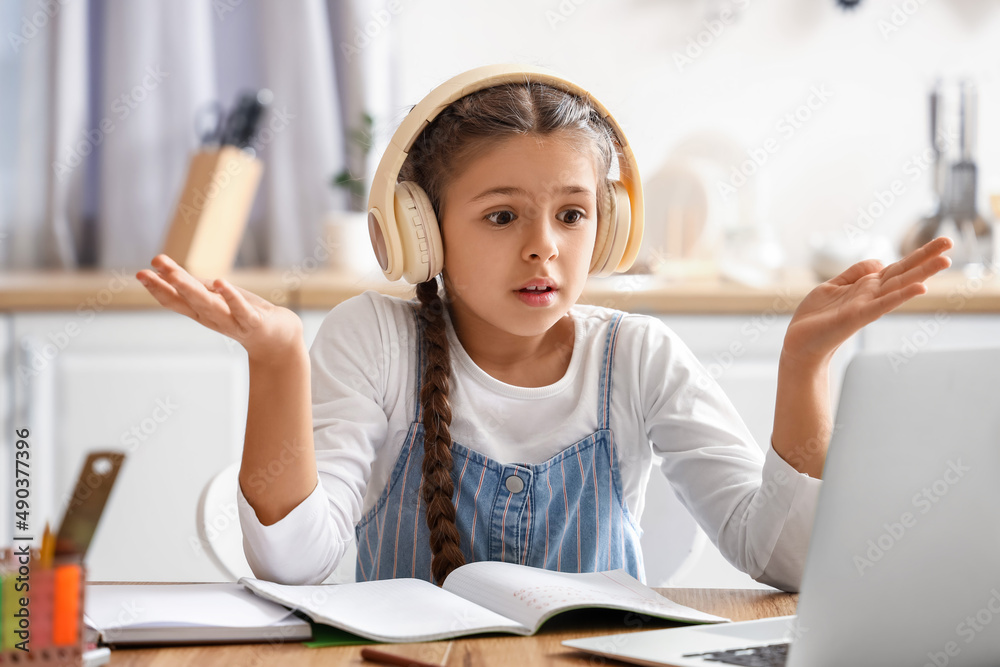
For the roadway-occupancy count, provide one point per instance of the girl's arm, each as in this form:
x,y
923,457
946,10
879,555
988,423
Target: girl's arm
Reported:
x,y
828,316
802,423
278,468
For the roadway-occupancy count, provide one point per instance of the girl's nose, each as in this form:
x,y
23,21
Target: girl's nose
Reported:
x,y
540,239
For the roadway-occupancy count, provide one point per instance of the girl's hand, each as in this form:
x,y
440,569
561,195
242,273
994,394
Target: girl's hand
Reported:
x,y
836,310
265,330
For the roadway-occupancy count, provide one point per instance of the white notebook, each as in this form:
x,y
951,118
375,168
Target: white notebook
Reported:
x,y
187,614
486,596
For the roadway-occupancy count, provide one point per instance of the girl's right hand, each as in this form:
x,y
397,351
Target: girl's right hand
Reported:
x,y
265,330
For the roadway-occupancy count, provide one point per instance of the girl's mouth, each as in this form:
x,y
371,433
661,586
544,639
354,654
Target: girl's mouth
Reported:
x,y
537,298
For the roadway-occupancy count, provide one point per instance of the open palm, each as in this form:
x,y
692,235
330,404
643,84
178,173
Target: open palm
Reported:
x,y
837,309
264,329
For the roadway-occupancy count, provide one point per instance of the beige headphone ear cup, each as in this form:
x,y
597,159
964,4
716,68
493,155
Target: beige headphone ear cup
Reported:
x,y
419,235
604,224
612,234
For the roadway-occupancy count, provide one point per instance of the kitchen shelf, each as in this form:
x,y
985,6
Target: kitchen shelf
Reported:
x,y
100,290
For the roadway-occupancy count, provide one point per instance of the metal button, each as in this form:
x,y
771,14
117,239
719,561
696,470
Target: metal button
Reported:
x,y
514,484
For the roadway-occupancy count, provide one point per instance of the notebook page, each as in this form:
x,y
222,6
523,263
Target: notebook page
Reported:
x,y
226,605
389,610
532,595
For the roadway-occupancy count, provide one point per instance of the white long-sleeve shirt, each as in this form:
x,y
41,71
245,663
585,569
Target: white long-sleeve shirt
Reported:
x,y
755,507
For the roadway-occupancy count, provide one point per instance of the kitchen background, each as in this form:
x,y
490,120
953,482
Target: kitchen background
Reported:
x,y
805,110
771,134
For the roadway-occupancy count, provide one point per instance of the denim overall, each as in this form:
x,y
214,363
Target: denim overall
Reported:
x,y
565,514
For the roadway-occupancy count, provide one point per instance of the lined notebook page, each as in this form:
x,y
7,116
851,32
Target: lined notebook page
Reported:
x,y
390,610
531,595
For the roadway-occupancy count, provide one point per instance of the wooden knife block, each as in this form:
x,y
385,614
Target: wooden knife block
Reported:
x,y
212,211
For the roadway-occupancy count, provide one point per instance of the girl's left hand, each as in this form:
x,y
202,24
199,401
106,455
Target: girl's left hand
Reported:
x,y
836,310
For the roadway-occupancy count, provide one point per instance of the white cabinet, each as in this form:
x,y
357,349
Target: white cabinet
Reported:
x,y
167,391
907,335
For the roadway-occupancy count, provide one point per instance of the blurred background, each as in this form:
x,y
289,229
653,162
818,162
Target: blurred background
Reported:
x,y
761,126
778,141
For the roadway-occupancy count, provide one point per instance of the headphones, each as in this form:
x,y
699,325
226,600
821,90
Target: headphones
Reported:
x,y
404,231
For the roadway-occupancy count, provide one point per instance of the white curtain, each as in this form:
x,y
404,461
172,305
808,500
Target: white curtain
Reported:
x,y
156,75
45,145
307,148
100,104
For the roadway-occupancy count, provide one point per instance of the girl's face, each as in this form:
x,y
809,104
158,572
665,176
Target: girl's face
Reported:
x,y
524,210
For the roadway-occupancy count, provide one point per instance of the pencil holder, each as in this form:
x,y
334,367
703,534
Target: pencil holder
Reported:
x,y
42,606
212,211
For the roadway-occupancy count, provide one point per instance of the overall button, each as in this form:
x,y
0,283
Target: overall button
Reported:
x,y
514,484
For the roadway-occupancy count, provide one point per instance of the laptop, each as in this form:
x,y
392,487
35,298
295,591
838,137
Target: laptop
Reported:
x,y
903,565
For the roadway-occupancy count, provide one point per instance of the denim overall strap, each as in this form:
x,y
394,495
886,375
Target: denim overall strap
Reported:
x,y
580,522
379,546
604,389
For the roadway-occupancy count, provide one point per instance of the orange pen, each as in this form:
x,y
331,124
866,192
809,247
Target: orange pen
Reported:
x,y
66,615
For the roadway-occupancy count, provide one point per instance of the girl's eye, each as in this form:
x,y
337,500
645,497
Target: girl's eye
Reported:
x,y
504,217
501,222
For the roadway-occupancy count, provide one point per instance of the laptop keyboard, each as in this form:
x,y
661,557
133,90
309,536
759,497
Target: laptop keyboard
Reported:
x,y
773,655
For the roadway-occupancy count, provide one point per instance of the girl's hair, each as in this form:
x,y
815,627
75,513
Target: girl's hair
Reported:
x,y
467,128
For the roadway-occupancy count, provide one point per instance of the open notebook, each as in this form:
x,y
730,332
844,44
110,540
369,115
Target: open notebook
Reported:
x,y
187,614
486,596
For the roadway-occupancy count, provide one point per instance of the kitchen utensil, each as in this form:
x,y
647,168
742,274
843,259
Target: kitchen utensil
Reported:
x,y
955,190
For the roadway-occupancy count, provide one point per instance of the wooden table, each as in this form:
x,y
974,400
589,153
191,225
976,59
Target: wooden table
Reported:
x,y
543,648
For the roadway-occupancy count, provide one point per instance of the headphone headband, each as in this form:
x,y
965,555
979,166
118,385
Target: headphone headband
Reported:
x,y
381,209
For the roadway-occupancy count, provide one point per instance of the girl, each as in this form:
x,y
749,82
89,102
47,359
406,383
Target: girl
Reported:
x,y
488,422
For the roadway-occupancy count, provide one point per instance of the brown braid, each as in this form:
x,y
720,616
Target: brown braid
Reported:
x,y
438,486
467,128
